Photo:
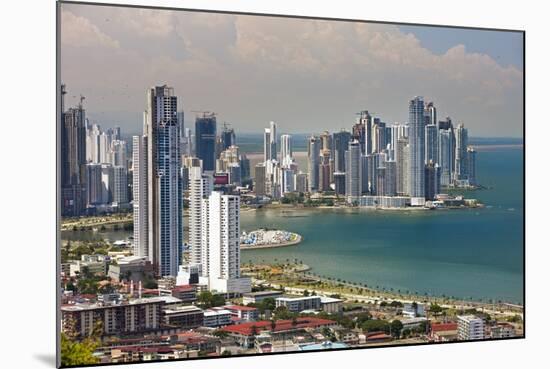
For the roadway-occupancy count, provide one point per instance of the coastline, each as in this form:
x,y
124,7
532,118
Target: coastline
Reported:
x,y
371,295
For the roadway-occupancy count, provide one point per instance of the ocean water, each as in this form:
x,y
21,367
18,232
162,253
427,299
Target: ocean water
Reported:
x,y
472,254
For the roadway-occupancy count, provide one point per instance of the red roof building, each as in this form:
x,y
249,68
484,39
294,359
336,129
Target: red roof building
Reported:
x,y
246,332
443,332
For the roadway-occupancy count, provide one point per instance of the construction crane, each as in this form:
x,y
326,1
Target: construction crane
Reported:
x,y
205,113
81,99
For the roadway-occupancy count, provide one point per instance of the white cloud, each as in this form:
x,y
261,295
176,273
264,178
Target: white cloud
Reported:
x,y
311,74
78,31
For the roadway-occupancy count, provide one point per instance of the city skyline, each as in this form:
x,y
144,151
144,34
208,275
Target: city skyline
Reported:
x,y
181,240
308,85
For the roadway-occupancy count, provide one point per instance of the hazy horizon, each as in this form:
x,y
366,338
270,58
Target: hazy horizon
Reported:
x,y
312,74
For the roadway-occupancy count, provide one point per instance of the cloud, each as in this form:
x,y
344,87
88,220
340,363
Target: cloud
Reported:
x,y
305,73
78,31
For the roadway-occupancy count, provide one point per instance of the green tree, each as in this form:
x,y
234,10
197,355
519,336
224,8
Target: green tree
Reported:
x,y
267,303
150,283
362,317
220,333
396,327
376,325
329,334
436,309
281,312
218,300
75,353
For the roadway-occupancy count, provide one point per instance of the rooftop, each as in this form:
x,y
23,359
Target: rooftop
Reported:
x,y
240,308
280,325
442,327
262,293
298,298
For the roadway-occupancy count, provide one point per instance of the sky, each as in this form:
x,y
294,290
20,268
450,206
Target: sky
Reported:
x,y
306,75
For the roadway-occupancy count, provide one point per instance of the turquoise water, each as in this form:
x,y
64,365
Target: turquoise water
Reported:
x,y
476,253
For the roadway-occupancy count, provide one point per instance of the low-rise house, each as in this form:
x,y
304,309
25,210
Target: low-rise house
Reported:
x,y
502,330
216,318
131,268
92,264
346,335
377,337
443,332
186,293
193,341
332,305
243,313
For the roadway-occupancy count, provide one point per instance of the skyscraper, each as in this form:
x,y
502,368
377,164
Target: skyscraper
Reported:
x,y
431,144
461,157
353,172
390,188
259,179
416,150
401,167
220,229
286,149
340,183
120,185
340,141
140,189
378,136
273,140
301,184
430,114
92,144
287,180
324,171
73,160
117,153
200,186
205,140
445,154
165,205
472,153
267,144
228,137
361,130
433,180
94,185
365,184
313,156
